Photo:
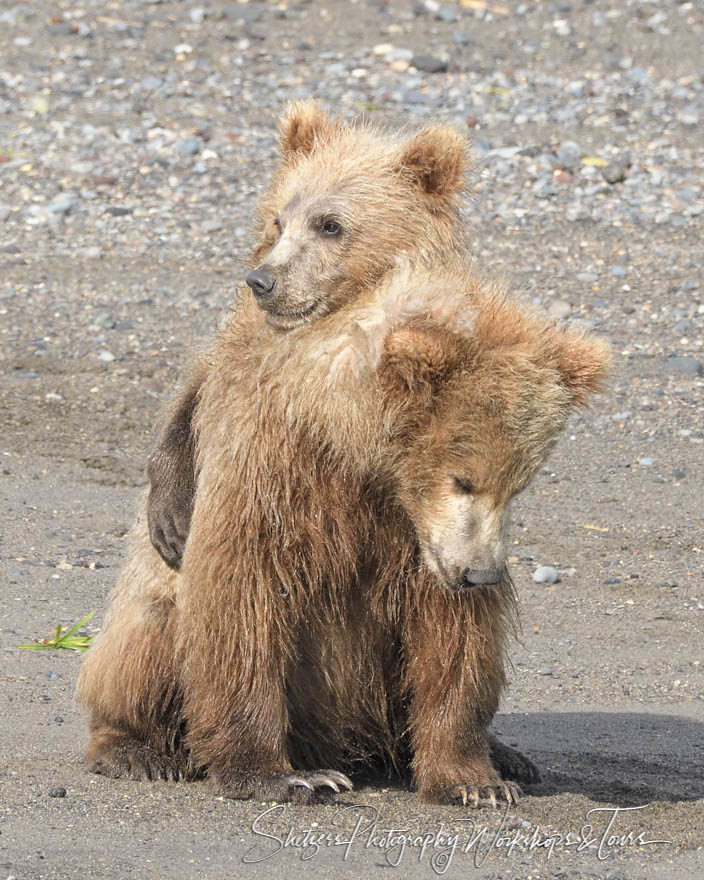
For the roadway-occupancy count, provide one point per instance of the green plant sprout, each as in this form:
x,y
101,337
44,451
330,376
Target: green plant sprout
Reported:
x,y
64,639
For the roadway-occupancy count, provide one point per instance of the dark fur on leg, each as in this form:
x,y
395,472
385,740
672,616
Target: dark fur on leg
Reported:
x,y
171,472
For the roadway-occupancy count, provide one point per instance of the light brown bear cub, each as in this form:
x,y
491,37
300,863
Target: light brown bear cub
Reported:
x,y
344,204
343,593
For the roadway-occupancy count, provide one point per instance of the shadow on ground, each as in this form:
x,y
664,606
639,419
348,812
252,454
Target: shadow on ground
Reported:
x,y
623,758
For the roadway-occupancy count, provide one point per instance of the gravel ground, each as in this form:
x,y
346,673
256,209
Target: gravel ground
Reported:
x,y
135,138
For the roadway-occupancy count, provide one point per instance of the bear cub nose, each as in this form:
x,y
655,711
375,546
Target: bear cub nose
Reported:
x,y
262,281
473,577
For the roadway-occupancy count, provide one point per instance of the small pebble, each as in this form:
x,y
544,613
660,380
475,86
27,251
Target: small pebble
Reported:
x,y
57,792
614,172
560,309
63,206
106,320
691,366
546,574
545,670
429,64
189,147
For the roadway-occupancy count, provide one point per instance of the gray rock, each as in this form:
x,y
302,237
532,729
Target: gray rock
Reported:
x,y
689,365
249,12
63,206
587,276
619,271
614,172
106,356
545,670
544,190
646,462
189,147
447,13
546,574
576,213
688,117
399,54
638,76
58,791
559,308
211,225
418,97
429,64
106,320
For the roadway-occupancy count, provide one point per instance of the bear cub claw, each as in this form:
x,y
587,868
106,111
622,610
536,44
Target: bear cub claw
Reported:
x,y
300,788
506,792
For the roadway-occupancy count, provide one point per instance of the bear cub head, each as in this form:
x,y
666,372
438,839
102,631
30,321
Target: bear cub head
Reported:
x,y
481,413
345,202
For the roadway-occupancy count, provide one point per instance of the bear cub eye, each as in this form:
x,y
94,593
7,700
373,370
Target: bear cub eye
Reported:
x,y
330,228
463,484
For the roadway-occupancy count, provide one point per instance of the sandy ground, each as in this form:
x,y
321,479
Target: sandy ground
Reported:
x,y
607,687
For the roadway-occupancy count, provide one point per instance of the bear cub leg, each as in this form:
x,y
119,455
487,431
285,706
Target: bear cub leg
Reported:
x,y
456,688
171,472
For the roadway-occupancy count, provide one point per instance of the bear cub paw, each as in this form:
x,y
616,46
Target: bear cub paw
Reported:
x,y
130,759
300,788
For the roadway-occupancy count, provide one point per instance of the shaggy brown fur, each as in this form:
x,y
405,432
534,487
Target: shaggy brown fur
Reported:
x,y
306,629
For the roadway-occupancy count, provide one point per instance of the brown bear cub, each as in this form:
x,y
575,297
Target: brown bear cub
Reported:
x,y
351,444
344,204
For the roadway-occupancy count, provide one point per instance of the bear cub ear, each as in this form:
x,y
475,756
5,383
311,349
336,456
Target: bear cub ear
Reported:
x,y
304,124
437,159
584,363
419,360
